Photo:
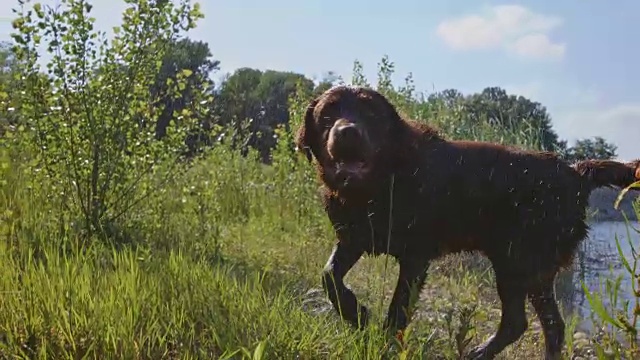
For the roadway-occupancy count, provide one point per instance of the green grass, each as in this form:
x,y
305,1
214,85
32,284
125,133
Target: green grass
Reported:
x,y
216,268
222,262
224,259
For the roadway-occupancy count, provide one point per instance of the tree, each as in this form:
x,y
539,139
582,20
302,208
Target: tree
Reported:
x,y
450,97
91,120
8,68
253,103
236,103
7,59
327,81
495,107
597,148
498,108
181,55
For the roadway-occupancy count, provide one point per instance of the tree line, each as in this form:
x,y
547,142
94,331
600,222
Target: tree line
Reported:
x,y
249,104
101,125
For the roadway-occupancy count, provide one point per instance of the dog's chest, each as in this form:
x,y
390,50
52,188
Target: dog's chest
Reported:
x,y
386,225
391,228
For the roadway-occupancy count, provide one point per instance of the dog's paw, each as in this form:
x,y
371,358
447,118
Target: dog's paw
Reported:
x,y
478,353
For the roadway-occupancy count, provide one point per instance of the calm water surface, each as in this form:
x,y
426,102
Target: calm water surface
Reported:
x,y
597,261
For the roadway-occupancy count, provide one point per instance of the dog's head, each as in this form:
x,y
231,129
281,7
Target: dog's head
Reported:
x,y
351,132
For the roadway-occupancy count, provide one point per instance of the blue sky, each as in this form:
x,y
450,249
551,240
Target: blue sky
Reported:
x,y
577,58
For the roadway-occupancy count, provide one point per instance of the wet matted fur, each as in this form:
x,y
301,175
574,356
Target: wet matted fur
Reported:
x,y
393,186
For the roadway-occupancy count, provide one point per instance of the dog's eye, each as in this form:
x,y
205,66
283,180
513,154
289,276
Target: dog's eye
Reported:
x,y
326,121
368,114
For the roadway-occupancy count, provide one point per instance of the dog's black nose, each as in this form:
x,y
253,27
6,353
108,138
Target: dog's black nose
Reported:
x,y
347,133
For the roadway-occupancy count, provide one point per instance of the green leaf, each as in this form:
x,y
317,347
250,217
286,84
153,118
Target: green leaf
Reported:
x,y
635,185
622,256
258,352
598,308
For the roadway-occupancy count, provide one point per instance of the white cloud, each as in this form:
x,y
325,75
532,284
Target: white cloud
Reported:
x,y
537,46
513,28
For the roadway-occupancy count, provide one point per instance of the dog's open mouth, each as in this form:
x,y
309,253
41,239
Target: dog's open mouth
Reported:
x,y
351,172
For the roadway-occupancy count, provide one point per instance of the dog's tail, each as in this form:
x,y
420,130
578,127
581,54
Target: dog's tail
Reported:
x,y
600,173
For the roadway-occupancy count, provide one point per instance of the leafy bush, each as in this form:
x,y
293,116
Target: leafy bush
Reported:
x,y
620,321
91,117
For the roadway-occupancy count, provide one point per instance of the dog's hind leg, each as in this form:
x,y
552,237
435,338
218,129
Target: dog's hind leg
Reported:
x,y
542,297
513,322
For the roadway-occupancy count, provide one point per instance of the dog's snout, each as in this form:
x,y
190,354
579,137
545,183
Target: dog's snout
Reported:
x,y
347,141
347,132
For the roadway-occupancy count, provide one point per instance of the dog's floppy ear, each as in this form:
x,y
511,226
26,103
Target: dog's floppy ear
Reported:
x,y
306,136
399,135
390,110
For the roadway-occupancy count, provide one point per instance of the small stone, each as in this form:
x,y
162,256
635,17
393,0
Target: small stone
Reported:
x,y
609,354
580,343
580,335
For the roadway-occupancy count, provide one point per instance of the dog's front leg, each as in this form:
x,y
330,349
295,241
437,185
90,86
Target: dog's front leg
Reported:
x,y
342,259
410,281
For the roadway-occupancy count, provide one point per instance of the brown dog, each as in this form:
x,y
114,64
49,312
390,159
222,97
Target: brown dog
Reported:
x,y
396,187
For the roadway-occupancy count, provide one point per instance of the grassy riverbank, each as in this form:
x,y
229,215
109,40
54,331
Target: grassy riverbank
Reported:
x,y
114,247
213,266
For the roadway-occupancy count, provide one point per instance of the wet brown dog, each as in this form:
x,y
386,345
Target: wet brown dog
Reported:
x,y
396,187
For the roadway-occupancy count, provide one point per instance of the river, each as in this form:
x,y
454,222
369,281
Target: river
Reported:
x,y
598,260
